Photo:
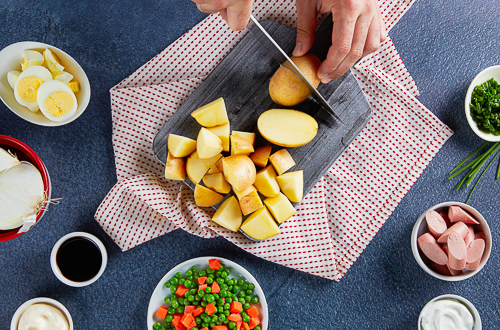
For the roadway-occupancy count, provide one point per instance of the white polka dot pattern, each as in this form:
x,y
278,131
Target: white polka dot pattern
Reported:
x,y
345,209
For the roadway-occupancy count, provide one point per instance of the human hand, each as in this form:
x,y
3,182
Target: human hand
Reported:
x,y
235,12
358,30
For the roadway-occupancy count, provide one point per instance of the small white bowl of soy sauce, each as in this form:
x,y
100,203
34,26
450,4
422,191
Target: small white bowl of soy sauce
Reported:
x,y
78,259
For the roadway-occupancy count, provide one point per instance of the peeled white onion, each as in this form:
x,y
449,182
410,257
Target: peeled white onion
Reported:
x,y
7,160
21,194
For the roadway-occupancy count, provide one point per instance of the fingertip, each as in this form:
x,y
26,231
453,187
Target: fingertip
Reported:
x,y
298,50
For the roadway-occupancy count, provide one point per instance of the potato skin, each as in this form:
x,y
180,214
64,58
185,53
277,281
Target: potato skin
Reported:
x,y
286,89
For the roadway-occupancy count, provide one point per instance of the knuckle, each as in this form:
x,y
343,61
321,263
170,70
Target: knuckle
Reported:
x,y
356,53
344,49
372,47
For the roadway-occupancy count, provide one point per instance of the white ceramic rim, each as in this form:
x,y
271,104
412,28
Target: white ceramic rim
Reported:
x,y
83,80
481,77
48,301
427,269
477,318
63,239
154,305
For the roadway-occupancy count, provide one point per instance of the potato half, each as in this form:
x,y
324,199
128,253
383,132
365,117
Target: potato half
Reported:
x,y
287,128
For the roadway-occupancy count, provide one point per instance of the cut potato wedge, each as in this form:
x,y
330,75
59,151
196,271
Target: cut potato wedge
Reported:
x,y
292,185
217,182
250,137
250,203
205,197
265,182
180,146
175,169
196,168
260,225
287,128
214,170
240,146
239,171
222,131
241,194
280,207
228,215
282,161
212,114
208,144
261,156
219,165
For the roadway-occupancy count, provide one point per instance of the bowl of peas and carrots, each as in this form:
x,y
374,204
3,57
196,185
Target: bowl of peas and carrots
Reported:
x,y
208,293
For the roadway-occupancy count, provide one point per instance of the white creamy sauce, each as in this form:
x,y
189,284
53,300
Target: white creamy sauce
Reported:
x,y
447,314
42,317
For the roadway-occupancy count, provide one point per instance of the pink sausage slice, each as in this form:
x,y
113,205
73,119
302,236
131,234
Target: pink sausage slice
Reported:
x,y
444,215
474,254
441,269
435,222
455,213
459,227
457,251
470,236
480,235
431,249
452,271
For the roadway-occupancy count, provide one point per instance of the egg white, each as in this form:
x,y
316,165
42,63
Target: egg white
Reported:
x,y
36,71
12,77
52,86
52,63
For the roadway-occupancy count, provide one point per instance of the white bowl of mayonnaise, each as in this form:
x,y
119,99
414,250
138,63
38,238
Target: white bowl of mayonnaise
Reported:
x,y
42,314
449,312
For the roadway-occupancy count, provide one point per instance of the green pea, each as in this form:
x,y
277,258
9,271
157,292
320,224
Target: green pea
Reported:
x,y
257,328
210,271
225,273
204,325
220,280
227,313
197,297
229,300
220,309
188,284
157,326
236,289
167,300
203,315
218,274
255,300
243,314
175,304
203,273
231,282
173,289
196,275
171,310
214,318
222,318
248,299
223,293
220,302
174,281
212,324
195,303
246,306
169,318
244,286
209,280
180,309
249,292
167,284
188,273
190,278
192,292
227,306
212,276
178,275
224,286
241,294
241,281
198,320
201,293
191,298
203,304
251,286
246,318
208,290
194,268
232,325
242,300
221,267
182,281
216,296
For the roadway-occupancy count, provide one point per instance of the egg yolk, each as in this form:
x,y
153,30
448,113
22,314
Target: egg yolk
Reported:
x,y
27,88
58,103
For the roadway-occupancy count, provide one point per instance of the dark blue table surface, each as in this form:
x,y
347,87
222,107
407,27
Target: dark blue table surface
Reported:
x,y
444,44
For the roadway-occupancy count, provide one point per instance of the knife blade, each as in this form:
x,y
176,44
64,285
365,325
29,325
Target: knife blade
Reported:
x,y
282,58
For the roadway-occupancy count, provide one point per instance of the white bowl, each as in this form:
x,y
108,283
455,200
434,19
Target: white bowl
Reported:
x,y
468,304
48,301
10,59
483,76
63,239
237,272
421,228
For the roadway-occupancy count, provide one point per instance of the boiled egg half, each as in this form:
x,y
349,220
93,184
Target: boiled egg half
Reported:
x,y
27,85
56,100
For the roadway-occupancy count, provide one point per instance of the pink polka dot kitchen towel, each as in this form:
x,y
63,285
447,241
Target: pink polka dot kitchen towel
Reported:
x,y
345,209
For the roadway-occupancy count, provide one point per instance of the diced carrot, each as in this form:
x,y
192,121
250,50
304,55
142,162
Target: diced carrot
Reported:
x,y
187,319
215,288
205,328
201,280
192,325
198,311
238,325
202,287
245,325
254,321
235,307
252,311
214,264
210,309
177,323
190,309
181,290
234,317
162,312
220,327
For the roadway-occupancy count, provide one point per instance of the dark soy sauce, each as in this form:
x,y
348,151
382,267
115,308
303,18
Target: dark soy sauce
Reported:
x,y
79,259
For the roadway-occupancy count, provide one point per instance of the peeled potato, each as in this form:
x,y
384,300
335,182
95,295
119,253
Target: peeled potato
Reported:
x,y
286,89
287,128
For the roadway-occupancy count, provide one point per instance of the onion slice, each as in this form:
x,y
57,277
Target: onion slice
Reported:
x,y
21,194
7,160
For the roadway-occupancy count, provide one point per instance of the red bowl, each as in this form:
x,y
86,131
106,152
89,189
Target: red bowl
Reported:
x,y
23,152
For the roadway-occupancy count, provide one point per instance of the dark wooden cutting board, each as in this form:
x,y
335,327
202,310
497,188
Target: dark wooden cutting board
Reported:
x,y
242,79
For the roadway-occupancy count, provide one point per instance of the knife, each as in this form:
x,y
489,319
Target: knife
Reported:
x,y
279,55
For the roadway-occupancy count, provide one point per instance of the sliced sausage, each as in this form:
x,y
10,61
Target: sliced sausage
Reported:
x,y
459,227
480,235
431,249
457,251
453,272
470,236
441,269
444,215
474,254
456,213
435,222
